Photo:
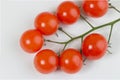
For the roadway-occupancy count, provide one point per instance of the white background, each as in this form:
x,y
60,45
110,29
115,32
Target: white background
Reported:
x,y
18,16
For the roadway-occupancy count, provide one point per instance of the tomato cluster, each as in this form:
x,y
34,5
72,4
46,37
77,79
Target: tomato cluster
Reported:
x,y
70,60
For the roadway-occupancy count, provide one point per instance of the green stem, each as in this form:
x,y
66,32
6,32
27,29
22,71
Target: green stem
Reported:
x,y
111,29
84,34
109,45
65,33
96,28
55,42
109,52
87,22
81,40
64,47
111,6
56,34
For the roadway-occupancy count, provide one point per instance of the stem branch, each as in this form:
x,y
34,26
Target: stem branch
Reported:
x,y
111,6
84,34
65,33
110,34
87,22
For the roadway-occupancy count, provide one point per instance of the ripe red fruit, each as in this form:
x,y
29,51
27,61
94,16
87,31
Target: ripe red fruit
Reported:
x,y
31,41
46,61
46,23
68,12
95,8
94,46
71,61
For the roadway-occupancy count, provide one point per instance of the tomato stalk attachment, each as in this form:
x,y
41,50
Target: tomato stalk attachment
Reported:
x,y
113,7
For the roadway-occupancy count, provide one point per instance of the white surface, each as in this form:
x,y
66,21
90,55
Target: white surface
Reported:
x,y
18,16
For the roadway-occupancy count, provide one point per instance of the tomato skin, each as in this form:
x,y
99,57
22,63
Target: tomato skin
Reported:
x,y
46,23
68,12
31,41
71,61
46,61
95,8
94,46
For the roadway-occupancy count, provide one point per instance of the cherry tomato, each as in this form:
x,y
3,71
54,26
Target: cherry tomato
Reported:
x,y
94,46
68,12
46,61
31,41
71,61
46,23
95,8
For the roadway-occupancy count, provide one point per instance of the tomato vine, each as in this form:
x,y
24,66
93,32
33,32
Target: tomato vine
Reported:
x,y
93,28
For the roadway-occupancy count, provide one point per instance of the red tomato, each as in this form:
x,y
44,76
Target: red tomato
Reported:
x,y
71,61
46,61
31,41
94,46
95,8
46,23
68,12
